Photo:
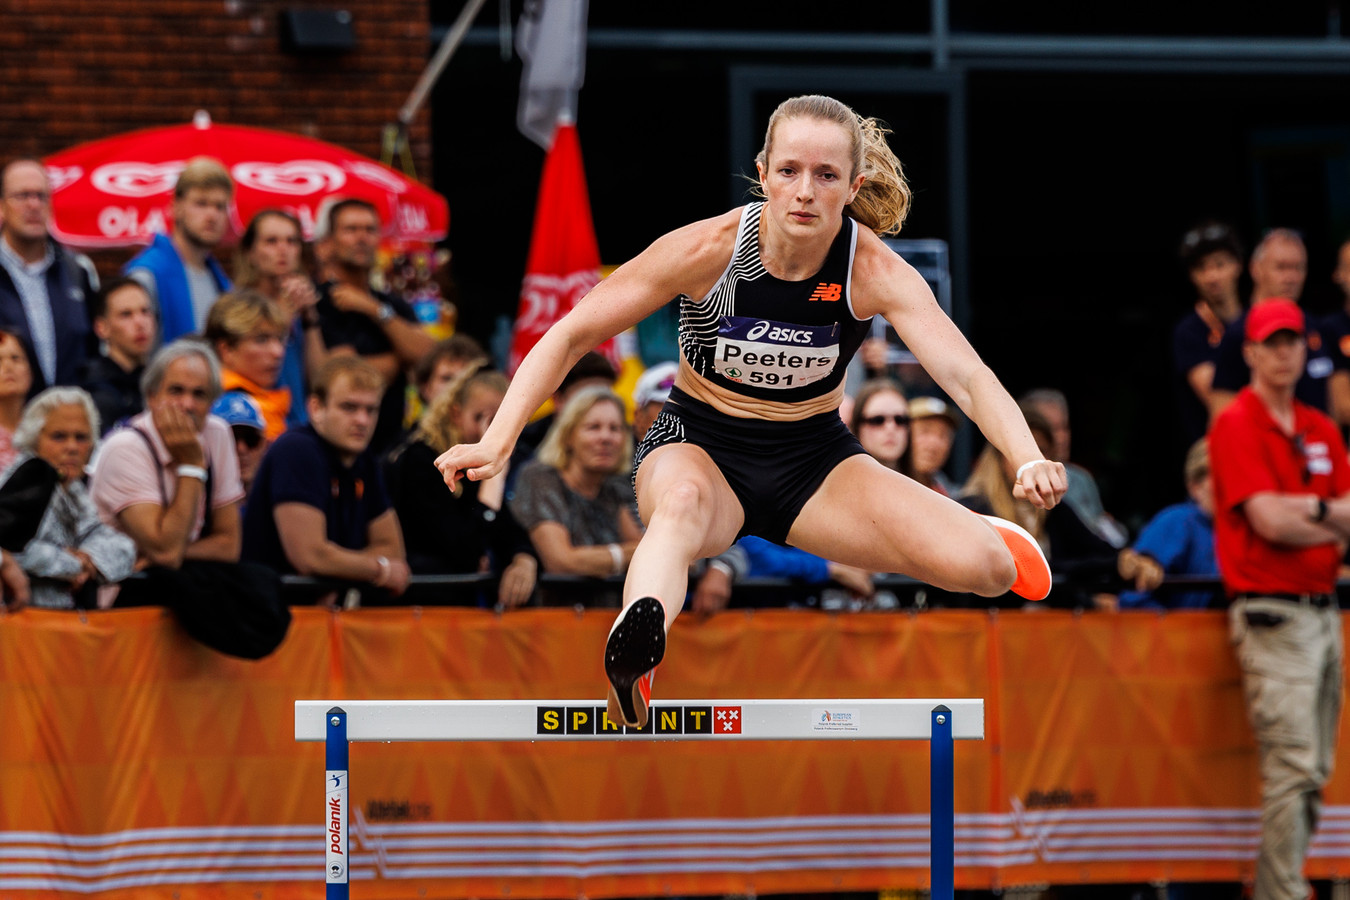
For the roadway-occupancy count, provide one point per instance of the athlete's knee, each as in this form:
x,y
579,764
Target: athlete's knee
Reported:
x,y
992,566
685,501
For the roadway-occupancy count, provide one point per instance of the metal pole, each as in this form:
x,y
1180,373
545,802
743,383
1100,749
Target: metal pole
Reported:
x,y
942,817
941,52
337,856
438,62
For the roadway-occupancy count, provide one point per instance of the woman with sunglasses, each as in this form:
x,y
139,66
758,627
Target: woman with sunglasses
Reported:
x,y
881,422
775,298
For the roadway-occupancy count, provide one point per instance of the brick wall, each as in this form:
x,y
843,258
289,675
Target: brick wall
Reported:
x,y
76,70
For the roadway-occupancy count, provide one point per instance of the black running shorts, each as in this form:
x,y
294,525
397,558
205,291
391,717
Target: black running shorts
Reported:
x,y
773,467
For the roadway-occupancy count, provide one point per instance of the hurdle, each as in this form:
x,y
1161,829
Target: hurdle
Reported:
x,y
339,722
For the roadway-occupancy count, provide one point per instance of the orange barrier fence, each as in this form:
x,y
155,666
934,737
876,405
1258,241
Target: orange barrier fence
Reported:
x,y
135,763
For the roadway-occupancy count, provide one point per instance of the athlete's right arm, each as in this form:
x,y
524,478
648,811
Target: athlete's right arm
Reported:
x,y
688,260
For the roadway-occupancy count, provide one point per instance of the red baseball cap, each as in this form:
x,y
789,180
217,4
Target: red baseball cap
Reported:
x,y
1270,316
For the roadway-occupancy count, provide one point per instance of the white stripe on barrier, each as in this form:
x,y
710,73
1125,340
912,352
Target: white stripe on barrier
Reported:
x,y
132,835
152,856
536,720
1146,819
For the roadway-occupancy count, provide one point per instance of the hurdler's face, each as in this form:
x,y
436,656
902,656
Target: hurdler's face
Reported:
x,y
808,177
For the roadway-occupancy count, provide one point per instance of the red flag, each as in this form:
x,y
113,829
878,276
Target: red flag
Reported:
x,y
564,261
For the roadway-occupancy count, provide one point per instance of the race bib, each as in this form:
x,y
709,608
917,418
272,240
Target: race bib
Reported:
x,y
764,353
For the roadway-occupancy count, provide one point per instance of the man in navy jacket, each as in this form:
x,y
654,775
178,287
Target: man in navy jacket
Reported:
x,y
44,288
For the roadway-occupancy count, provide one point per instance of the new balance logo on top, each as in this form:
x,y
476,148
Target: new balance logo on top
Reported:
x,y
826,291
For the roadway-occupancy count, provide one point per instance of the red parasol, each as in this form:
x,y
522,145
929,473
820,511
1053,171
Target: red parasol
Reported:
x,y
117,191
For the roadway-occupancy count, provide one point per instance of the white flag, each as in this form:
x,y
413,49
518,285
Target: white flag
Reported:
x,y
551,40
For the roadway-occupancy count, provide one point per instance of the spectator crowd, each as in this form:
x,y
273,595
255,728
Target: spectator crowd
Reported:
x,y
287,417
180,437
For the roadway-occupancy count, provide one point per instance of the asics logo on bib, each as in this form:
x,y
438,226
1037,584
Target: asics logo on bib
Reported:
x,y
774,355
777,333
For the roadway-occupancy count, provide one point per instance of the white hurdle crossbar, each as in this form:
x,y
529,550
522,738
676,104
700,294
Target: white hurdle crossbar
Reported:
x,y
338,722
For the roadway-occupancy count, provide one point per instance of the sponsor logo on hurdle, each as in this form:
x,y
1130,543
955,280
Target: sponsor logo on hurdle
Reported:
x,y
595,720
835,720
336,837
397,810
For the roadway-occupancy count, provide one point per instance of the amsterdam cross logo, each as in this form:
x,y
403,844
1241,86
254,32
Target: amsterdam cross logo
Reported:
x,y
726,720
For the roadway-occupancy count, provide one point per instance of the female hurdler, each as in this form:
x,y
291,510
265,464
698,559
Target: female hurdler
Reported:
x,y
775,298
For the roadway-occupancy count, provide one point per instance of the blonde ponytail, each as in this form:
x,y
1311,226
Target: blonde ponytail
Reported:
x,y
883,200
436,427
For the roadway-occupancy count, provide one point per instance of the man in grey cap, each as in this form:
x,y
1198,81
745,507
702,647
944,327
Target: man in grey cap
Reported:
x,y
932,429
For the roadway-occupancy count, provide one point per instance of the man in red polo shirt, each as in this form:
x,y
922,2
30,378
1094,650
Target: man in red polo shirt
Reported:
x,y
1282,521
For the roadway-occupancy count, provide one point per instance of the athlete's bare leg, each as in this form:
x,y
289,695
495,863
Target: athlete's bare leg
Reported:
x,y
690,512
868,516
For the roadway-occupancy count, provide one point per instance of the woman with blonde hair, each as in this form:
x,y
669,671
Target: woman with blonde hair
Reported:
x,y
474,530
775,298
1085,560
990,487
574,498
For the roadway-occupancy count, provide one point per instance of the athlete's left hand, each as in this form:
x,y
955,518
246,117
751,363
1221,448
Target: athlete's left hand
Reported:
x,y
1042,484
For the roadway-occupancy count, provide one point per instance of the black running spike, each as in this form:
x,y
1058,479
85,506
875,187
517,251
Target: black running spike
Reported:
x,y
635,647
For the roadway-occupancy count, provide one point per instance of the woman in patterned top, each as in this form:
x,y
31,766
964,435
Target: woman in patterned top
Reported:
x,y
775,297
73,551
575,499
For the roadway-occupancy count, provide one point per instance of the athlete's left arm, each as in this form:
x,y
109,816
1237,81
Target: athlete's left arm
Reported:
x,y
886,285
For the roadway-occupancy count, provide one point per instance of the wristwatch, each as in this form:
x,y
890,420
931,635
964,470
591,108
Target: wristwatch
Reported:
x,y
384,312
1321,514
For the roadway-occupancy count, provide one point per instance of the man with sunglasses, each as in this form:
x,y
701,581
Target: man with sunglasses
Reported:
x,y
245,418
1282,523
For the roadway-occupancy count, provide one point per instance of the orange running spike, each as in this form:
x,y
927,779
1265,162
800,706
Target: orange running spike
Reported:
x,y
1033,571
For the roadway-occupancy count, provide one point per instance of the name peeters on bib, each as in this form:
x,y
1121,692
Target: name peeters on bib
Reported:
x,y
774,355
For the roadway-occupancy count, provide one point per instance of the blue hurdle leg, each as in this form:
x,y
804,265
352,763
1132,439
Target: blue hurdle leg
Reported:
x,y
337,862
942,815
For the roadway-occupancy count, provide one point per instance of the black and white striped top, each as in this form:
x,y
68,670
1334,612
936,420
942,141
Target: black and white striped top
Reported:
x,y
762,337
